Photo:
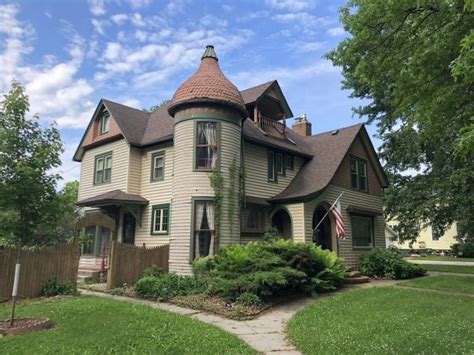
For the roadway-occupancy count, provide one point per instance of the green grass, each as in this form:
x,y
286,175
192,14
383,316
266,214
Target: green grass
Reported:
x,y
92,325
450,268
385,321
440,258
452,283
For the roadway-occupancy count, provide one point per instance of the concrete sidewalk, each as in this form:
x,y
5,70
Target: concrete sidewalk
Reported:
x,y
434,262
266,333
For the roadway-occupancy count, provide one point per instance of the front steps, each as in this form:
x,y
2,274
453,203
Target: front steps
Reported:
x,y
89,274
355,278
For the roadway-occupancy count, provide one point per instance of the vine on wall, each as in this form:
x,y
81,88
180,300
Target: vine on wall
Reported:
x,y
232,198
217,183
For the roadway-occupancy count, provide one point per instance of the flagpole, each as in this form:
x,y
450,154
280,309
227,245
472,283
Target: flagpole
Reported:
x,y
327,212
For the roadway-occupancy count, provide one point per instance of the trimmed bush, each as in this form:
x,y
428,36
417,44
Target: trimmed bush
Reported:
x,y
166,286
386,263
270,268
249,299
463,250
54,288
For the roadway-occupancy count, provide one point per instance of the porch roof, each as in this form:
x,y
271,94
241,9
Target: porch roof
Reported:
x,y
114,197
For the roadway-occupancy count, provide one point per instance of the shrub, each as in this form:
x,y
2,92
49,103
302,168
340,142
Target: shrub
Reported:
x,y
270,268
249,299
154,271
54,288
463,250
167,286
388,264
119,291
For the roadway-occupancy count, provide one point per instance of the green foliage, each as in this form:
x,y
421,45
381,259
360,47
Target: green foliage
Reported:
x,y
464,250
270,234
388,264
249,299
28,155
270,268
54,288
119,291
233,170
217,183
166,286
153,271
412,64
157,107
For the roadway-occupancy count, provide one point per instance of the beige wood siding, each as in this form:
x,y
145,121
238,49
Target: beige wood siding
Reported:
x,y
343,174
156,192
256,170
134,170
355,199
120,164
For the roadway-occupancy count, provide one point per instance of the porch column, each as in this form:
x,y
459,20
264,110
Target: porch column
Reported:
x,y
97,241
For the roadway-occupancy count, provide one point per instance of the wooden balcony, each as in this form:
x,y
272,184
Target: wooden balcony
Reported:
x,y
272,127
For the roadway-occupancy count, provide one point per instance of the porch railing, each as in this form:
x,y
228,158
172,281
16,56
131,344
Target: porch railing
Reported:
x,y
273,128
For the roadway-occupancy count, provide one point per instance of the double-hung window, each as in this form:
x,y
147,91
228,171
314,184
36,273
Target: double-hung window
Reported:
x,y
158,166
104,123
103,168
280,164
204,229
289,162
160,219
206,146
435,234
362,231
358,174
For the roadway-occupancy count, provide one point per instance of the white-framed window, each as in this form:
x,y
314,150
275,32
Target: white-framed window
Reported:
x,y
104,123
103,168
362,231
160,219
158,166
358,174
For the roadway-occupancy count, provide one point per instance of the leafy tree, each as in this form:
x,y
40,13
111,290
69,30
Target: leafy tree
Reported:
x,y
411,63
157,107
28,153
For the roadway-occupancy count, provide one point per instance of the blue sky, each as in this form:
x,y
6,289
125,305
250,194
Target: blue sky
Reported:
x,y
69,54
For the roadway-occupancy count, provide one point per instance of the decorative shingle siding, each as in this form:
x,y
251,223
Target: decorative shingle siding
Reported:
x,y
256,170
355,199
343,173
120,164
93,134
156,192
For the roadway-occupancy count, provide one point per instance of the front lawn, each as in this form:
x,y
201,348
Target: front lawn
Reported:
x,y
450,268
385,321
440,258
97,326
462,284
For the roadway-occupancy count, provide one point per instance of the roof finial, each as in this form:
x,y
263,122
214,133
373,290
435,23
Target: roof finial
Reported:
x,y
209,52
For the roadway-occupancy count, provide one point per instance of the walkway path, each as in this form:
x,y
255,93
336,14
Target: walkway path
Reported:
x,y
266,333
436,262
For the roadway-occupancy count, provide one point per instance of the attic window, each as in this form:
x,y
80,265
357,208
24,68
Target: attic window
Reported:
x,y
104,123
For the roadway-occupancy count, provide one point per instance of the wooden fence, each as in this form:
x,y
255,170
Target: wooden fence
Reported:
x,y
127,262
59,262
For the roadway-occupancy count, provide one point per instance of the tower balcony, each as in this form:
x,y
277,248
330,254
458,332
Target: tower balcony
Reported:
x,y
272,127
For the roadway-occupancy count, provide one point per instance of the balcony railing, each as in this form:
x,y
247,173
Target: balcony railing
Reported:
x,y
273,128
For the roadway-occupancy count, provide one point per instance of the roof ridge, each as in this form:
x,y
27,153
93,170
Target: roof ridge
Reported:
x,y
335,129
130,107
256,86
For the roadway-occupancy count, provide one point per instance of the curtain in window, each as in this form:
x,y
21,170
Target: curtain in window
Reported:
x,y
210,222
210,133
198,223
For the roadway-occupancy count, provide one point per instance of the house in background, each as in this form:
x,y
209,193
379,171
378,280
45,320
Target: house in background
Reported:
x,y
150,173
429,238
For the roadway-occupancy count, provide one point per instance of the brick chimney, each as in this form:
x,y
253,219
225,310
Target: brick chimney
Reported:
x,y
302,126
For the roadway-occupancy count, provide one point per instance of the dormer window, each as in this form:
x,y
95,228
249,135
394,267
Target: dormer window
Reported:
x,y
104,123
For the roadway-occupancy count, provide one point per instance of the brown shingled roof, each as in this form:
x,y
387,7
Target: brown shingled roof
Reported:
x,y
328,151
252,94
114,197
208,84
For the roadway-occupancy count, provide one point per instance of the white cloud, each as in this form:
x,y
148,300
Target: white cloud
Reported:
x,y
97,7
47,14
306,47
119,19
99,25
138,4
336,31
290,5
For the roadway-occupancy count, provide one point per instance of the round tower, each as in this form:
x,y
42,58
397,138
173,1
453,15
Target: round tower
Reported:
x,y
208,111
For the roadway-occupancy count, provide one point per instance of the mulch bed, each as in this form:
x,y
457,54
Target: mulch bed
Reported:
x,y
24,325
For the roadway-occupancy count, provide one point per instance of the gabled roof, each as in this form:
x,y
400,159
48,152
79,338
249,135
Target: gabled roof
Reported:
x,y
328,150
141,128
256,93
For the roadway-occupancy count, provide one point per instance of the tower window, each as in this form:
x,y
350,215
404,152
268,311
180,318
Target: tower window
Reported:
x,y
206,146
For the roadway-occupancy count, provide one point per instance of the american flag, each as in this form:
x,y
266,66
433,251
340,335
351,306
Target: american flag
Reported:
x,y
336,211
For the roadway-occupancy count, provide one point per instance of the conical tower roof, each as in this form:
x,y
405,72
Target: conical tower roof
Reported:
x,y
208,85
